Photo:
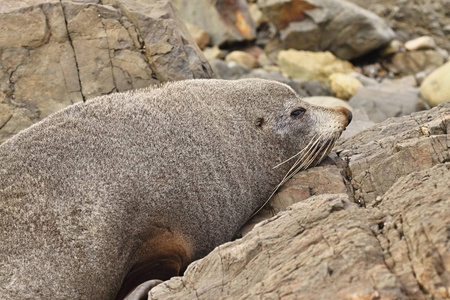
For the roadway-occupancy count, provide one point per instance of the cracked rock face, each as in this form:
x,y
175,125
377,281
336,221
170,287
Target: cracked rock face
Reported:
x,y
393,242
70,51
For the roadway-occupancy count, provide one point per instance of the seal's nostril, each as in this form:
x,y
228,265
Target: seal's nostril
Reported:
x,y
349,117
346,112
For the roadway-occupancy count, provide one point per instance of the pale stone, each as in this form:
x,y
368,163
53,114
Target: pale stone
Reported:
x,y
256,14
201,37
436,87
212,52
312,65
344,86
420,43
242,58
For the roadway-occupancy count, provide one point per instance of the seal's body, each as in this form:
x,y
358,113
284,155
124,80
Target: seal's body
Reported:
x,y
144,181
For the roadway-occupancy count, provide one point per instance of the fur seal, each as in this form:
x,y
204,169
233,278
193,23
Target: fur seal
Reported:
x,y
105,195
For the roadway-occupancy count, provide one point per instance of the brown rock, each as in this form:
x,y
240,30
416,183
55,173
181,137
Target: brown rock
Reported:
x,y
405,63
226,21
53,54
201,37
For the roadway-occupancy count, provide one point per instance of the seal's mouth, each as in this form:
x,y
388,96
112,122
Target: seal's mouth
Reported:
x,y
316,150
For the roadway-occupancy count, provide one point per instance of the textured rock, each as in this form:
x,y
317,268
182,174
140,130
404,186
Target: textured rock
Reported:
x,y
226,21
386,100
242,58
53,54
311,65
344,86
420,43
436,88
318,25
405,63
201,37
326,247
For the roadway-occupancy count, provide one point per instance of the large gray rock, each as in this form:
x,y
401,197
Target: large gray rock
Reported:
x,y
341,27
226,21
53,53
328,247
386,100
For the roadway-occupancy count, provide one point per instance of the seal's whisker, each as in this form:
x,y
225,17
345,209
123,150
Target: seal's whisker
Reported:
x,y
299,153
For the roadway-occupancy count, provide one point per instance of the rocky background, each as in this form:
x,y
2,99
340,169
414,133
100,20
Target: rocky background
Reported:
x,y
372,221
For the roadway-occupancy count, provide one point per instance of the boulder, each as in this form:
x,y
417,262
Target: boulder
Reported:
x,y
328,247
242,58
226,21
309,65
53,54
435,89
406,63
386,100
341,27
344,86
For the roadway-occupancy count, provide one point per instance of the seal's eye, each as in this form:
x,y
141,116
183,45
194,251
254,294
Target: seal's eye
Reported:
x,y
259,122
297,113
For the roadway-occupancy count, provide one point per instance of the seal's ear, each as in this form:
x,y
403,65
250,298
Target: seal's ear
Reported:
x,y
259,122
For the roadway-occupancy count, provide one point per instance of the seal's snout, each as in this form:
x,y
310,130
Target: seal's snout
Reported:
x,y
346,112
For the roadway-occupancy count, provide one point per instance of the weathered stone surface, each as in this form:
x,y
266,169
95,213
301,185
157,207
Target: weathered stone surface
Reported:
x,y
405,63
436,86
53,53
420,43
318,25
326,247
200,36
242,58
379,156
311,65
386,100
226,21
344,86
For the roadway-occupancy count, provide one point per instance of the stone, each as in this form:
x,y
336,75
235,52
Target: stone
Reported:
x,y
309,65
420,43
200,36
393,47
407,63
242,58
257,16
386,100
327,247
344,86
343,28
315,88
435,89
233,70
328,102
226,21
213,53
54,54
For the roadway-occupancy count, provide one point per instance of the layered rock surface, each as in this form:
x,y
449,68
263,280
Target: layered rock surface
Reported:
x,y
71,51
393,245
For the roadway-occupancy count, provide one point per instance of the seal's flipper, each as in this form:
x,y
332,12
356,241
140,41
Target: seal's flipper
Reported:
x,y
141,292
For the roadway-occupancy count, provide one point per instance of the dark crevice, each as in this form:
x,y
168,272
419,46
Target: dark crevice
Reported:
x,y
115,89
73,49
6,122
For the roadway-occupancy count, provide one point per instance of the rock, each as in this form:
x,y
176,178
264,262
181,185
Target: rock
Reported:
x,y
53,54
213,53
257,16
226,21
327,247
420,43
364,79
200,36
315,88
344,86
242,58
386,100
393,47
406,63
377,157
311,65
222,70
319,25
360,119
435,89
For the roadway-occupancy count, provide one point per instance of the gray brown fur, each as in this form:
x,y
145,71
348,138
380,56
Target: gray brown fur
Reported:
x,y
84,188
